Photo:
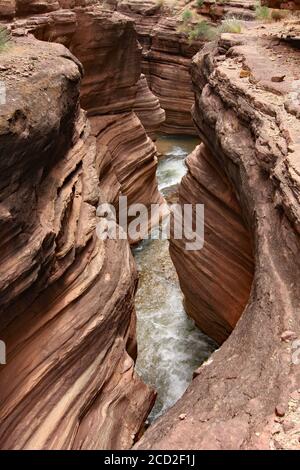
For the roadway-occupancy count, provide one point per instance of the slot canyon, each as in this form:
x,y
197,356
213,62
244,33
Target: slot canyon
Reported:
x,y
136,342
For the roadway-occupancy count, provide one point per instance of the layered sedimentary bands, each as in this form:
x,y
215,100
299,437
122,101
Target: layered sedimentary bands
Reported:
x,y
215,280
244,10
67,298
247,114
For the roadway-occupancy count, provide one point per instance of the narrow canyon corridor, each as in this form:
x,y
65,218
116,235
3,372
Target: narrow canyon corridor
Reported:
x,y
131,342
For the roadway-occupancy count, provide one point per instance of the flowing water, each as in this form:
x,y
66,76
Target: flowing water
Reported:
x,y
170,346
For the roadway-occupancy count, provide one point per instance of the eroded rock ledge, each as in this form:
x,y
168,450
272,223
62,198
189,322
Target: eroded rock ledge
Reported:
x,y
215,280
67,298
289,5
247,395
167,52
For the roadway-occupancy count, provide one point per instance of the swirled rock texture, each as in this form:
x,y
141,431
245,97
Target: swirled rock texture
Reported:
x,y
244,10
247,395
167,54
112,88
147,108
67,298
215,280
166,65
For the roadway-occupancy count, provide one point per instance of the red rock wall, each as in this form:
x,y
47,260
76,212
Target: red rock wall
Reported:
x,y
286,5
215,280
246,396
67,298
166,65
111,71
167,57
166,54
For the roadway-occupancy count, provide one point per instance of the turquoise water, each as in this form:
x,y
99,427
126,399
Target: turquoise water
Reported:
x,y
170,347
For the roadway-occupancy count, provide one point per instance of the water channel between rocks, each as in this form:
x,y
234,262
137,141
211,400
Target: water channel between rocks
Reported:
x,y
170,347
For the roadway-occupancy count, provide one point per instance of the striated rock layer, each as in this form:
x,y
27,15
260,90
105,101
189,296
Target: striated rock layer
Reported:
x,y
91,30
66,297
167,54
112,89
166,65
288,5
247,395
106,44
215,280
244,10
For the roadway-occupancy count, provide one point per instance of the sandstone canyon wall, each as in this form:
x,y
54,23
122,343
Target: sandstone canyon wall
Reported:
x,y
247,113
167,54
105,42
215,280
289,5
67,298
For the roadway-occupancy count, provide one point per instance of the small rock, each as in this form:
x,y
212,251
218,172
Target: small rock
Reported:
x,y
278,78
182,416
287,426
280,410
288,335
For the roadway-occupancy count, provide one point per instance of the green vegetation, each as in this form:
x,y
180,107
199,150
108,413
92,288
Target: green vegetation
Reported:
x,y
199,3
231,25
187,15
4,38
262,13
